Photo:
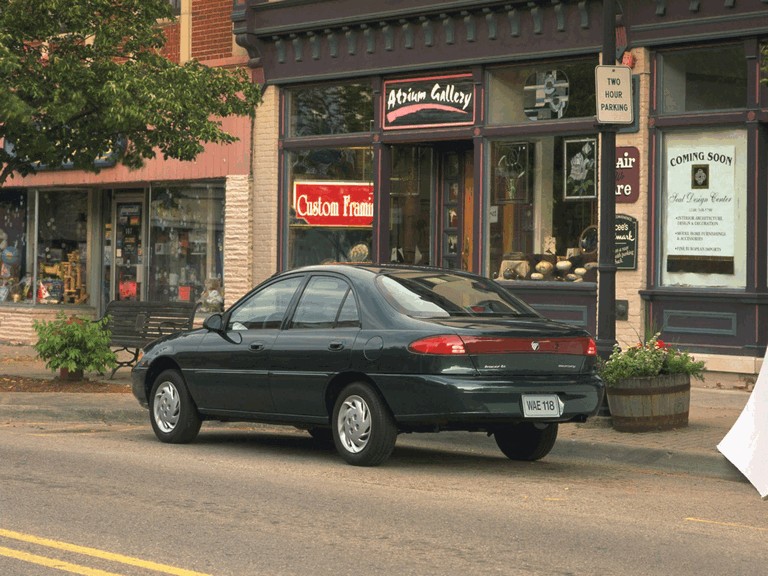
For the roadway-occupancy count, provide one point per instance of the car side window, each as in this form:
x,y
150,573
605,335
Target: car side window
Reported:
x,y
321,304
266,308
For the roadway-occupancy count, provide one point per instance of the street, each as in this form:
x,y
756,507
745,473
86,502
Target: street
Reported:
x,y
109,499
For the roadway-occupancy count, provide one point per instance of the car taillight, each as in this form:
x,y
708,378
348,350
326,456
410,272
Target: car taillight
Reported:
x,y
453,344
445,345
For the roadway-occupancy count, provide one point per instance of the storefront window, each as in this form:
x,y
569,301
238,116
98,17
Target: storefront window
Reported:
x,y
543,209
703,79
15,268
337,109
62,248
704,205
521,94
186,240
330,203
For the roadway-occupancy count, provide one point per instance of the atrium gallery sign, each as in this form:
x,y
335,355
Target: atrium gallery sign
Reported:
x,y
429,102
701,214
340,204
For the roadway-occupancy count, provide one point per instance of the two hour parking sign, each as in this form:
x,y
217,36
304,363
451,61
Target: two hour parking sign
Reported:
x,y
613,91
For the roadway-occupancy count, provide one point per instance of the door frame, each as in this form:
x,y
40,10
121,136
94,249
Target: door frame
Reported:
x,y
129,197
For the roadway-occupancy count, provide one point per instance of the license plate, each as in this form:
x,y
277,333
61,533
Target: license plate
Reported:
x,y
542,406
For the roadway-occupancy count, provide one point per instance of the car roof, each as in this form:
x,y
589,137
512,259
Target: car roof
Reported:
x,y
368,267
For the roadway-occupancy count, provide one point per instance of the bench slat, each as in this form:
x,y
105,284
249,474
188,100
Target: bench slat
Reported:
x,y
134,324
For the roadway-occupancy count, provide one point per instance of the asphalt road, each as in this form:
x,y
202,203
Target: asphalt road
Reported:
x,y
257,501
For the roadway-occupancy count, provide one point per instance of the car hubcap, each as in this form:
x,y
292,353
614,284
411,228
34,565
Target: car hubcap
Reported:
x,y
354,424
167,407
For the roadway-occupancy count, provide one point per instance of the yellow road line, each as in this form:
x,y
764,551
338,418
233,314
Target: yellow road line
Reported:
x,y
53,563
728,524
96,553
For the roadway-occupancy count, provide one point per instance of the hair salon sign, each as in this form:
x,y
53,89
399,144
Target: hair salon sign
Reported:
x,y
429,102
339,204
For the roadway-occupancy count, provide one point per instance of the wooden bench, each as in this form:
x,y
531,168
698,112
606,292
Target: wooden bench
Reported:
x,y
135,324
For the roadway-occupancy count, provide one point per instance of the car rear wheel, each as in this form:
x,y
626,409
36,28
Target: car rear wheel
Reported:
x,y
172,412
526,441
364,431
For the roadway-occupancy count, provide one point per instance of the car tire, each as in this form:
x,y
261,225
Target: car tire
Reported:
x,y
526,441
364,430
172,411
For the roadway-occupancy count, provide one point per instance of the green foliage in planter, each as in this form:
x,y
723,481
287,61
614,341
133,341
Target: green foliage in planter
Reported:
x,y
651,358
74,343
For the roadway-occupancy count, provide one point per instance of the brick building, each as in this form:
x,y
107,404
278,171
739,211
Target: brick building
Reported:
x,y
453,133
76,240
469,129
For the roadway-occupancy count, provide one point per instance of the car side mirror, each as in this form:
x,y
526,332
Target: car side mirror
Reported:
x,y
214,322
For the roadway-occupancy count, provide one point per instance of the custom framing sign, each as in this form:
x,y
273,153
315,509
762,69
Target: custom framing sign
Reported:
x,y
333,204
429,102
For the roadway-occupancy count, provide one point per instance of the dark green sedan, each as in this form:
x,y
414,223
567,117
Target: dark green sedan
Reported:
x,y
357,354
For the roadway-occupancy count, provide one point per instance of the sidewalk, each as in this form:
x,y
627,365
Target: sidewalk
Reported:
x,y
715,405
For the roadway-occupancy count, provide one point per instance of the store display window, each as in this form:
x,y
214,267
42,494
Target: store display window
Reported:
x,y
15,266
58,255
62,248
703,79
330,205
542,92
704,209
543,208
410,228
329,109
186,244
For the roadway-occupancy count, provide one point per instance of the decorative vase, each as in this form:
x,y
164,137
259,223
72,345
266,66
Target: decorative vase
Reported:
x,y
70,375
650,403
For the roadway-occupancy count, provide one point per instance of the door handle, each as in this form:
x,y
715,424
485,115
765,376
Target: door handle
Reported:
x,y
257,346
336,345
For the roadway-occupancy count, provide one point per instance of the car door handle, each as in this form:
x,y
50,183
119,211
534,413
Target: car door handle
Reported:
x,y
257,346
336,346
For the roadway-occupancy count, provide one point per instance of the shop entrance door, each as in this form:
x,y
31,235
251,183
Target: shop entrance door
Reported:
x,y
455,197
431,205
127,273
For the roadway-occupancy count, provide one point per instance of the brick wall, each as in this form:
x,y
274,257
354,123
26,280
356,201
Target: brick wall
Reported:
x,y
265,175
211,29
630,282
238,240
172,48
16,321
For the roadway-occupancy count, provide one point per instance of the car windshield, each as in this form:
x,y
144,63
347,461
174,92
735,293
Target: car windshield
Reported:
x,y
430,294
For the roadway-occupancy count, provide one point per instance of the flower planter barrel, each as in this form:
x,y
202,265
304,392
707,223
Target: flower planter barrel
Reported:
x,y
650,403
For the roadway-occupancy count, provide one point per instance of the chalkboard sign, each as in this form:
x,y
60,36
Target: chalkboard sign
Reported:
x,y
625,242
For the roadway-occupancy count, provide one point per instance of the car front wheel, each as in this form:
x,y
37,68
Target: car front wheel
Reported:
x,y
364,431
526,441
172,411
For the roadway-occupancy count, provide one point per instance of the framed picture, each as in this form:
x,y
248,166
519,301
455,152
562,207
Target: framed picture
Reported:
x,y
451,218
452,242
580,163
512,172
453,192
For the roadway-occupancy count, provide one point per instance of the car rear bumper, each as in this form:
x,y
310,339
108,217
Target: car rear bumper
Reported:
x,y
468,403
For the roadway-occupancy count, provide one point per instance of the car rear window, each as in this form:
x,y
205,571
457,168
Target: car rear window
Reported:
x,y
441,295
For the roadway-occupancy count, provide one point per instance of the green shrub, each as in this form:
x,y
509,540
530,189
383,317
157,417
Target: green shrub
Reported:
x,y
74,343
651,358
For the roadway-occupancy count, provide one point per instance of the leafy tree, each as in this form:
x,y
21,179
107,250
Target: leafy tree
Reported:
x,y
81,78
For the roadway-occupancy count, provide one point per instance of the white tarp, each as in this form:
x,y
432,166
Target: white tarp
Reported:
x,y
746,444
